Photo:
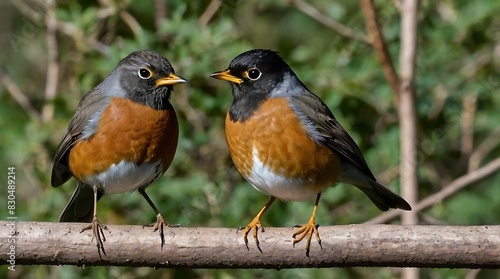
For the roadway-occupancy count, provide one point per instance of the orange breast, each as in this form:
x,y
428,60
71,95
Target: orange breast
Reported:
x,y
282,145
127,131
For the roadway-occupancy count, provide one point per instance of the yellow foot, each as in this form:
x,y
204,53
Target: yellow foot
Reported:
x,y
98,233
307,230
255,225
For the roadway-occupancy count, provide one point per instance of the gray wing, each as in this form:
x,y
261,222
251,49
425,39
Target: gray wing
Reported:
x,y
88,106
323,127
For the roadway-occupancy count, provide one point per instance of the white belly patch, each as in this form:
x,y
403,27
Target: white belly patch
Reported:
x,y
265,180
125,177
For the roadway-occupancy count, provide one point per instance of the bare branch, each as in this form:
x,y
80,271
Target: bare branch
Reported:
x,y
18,95
160,12
484,149
328,22
378,42
80,39
209,12
349,245
198,118
472,274
407,111
388,175
467,125
52,65
29,10
132,23
492,167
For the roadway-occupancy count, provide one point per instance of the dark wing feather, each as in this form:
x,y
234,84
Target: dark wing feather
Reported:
x,y
88,106
329,130
325,128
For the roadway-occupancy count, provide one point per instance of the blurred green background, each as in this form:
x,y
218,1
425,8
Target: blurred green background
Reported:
x,y
458,67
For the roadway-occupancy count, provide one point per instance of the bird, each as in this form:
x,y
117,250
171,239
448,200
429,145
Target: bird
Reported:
x,y
122,137
286,142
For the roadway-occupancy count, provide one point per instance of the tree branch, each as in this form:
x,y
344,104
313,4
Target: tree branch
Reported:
x,y
407,108
160,13
472,177
484,149
351,245
18,95
209,12
378,43
52,66
132,23
467,125
81,39
407,115
328,22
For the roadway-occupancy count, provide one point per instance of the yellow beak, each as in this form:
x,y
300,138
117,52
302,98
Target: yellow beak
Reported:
x,y
226,75
171,79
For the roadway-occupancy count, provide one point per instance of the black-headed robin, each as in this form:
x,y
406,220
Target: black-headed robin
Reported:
x,y
286,142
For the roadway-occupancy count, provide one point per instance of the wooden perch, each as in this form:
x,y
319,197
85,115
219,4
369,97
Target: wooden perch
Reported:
x,y
40,243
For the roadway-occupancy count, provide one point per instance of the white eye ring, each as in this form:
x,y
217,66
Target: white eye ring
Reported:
x,y
253,74
144,73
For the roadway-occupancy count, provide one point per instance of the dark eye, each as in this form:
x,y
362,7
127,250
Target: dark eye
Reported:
x,y
253,74
144,73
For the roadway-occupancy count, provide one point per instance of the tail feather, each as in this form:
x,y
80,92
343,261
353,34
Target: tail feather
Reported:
x,y
384,198
380,195
80,207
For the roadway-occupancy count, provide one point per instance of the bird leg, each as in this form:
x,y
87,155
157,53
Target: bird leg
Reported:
x,y
255,224
308,229
97,228
160,221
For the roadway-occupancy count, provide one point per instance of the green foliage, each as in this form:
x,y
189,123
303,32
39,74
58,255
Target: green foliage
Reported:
x,y
458,58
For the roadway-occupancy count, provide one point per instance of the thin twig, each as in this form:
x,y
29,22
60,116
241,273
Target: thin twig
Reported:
x,y
101,30
52,66
472,274
388,175
328,22
132,23
491,142
198,118
80,39
467,125
18,95
209,12
479,60
29,10
468,179
439,101
378,42
160,12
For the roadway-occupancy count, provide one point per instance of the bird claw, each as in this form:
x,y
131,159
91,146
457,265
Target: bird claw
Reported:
x,y
158,226
255,225
97,234
307,230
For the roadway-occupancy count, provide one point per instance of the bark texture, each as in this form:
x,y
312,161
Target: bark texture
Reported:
x,y
40,243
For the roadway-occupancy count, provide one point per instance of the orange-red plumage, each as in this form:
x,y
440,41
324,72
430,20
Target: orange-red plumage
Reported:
x,y
292,154
127,131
